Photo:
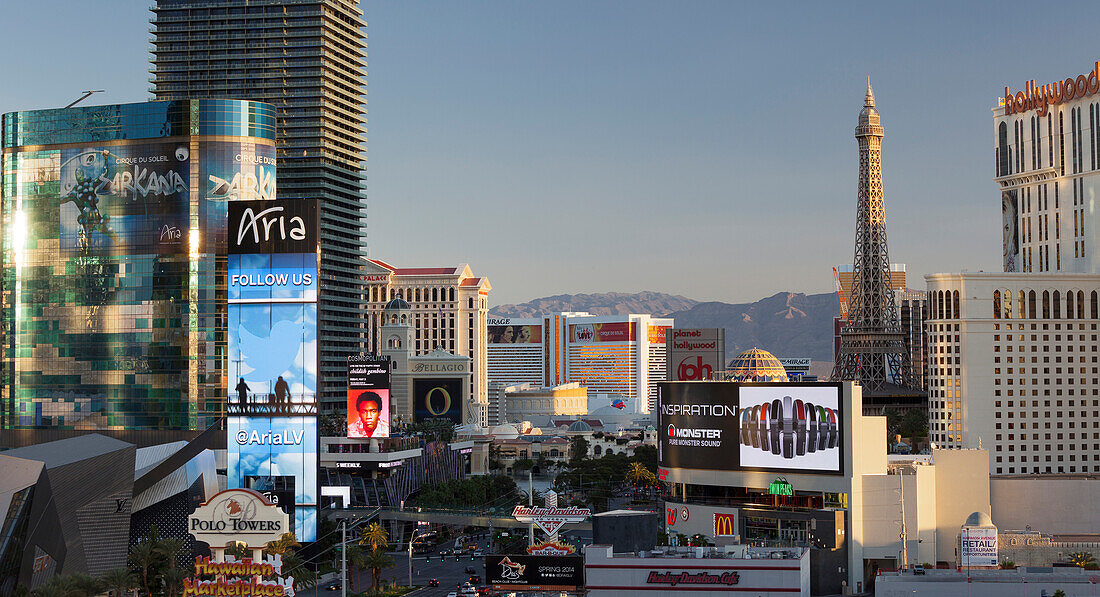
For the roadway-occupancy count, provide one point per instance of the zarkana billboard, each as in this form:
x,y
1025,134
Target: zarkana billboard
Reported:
x,y
769,427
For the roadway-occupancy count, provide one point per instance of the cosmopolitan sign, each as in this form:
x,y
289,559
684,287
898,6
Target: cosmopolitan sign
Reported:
x,y
550,519
238,515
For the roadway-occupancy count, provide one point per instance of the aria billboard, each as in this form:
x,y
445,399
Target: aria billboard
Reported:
x,y
272,292
768,427
368,411
277,456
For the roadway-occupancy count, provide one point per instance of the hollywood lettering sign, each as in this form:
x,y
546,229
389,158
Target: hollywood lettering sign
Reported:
x,y
550,520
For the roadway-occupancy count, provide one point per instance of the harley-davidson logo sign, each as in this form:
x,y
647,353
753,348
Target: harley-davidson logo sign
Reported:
x,y
550,520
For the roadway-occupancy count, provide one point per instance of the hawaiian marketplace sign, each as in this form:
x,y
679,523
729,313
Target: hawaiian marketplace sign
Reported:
x,y
261,578
238,516
550,519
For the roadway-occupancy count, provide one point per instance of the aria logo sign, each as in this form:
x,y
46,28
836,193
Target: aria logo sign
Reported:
x,y
286,226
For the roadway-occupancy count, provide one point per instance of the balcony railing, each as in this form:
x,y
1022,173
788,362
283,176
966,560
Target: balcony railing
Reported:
x,y
270,404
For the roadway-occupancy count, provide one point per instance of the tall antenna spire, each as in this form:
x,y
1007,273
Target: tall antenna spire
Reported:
x,y
872,345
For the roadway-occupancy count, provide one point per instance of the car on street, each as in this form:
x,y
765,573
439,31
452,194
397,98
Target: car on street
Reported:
x,y
471,570
475,580
434,582
452,594
333,586
477,554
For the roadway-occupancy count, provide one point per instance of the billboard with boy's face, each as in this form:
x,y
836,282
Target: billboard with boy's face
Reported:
x,y
368,411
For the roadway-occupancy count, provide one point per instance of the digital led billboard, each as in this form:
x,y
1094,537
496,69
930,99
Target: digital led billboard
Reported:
x,y
368,413
521,572
274,454
772,427
272,325
507,333
438,399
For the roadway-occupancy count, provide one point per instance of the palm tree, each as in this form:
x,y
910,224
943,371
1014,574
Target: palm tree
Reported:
x,y
375,536
118,581
637,474
295,567
173,581
169,547
1082,559
145,557
376,561
83,585
283,546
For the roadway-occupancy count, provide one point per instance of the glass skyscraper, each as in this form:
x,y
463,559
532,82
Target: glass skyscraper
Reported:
x,y
308,59
113,288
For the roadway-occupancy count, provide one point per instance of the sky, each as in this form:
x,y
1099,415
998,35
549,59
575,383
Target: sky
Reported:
x,y
699,148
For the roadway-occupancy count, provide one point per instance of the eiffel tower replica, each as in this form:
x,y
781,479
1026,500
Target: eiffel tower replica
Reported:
x,y
872,346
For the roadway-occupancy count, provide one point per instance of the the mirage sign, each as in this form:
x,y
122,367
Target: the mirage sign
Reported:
x,y
769,427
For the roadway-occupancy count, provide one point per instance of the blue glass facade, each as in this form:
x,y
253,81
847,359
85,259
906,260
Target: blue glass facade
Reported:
x,y
113,288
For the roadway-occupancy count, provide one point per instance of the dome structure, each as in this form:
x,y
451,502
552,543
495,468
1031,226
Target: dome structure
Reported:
x,y
580,426
397,303
504,432
978,519
756,365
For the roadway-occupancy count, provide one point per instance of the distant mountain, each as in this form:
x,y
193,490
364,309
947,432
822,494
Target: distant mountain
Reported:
x,y
608,303
787,324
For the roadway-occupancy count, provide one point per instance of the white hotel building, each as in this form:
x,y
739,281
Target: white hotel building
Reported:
x,y
608,354
1013,362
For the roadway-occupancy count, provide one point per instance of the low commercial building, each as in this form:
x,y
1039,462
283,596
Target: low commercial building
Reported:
x,y
1025,582
697,572
524,401
800,465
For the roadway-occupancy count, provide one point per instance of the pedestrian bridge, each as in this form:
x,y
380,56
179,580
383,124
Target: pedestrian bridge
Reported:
x,y
459,515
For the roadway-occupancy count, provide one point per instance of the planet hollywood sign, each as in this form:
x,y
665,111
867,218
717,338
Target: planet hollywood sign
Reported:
x,y
550,520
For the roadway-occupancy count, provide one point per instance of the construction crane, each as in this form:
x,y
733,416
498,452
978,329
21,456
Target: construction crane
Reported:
x,y
86,95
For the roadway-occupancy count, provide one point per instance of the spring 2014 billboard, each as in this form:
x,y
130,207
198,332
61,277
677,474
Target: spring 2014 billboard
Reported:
x,y
772,427
368,409
521,572
438,398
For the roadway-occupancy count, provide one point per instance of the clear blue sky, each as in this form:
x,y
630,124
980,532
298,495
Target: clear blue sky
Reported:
x,y
695,148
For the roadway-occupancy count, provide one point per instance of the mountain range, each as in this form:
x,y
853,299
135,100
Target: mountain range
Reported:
x,y
786,324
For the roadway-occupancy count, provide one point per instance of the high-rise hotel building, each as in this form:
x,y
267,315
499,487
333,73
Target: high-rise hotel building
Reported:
x,y
308,59
449,308
612,354
113,288
1012,358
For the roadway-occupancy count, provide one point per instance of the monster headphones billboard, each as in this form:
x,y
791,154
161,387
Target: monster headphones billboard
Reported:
x,y
368,413
771,427
438,398
272,291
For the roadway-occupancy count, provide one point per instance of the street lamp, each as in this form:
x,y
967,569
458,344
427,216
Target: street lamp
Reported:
x,y
412,540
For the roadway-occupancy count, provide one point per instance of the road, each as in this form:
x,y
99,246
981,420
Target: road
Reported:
x,y
449,572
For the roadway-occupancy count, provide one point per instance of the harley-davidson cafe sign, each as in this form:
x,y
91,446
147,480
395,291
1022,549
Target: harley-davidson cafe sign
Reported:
x,y
550,520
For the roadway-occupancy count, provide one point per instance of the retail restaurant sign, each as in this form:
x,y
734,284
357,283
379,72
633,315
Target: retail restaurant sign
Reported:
x,y
1038,98
550,519
238,515
239,577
